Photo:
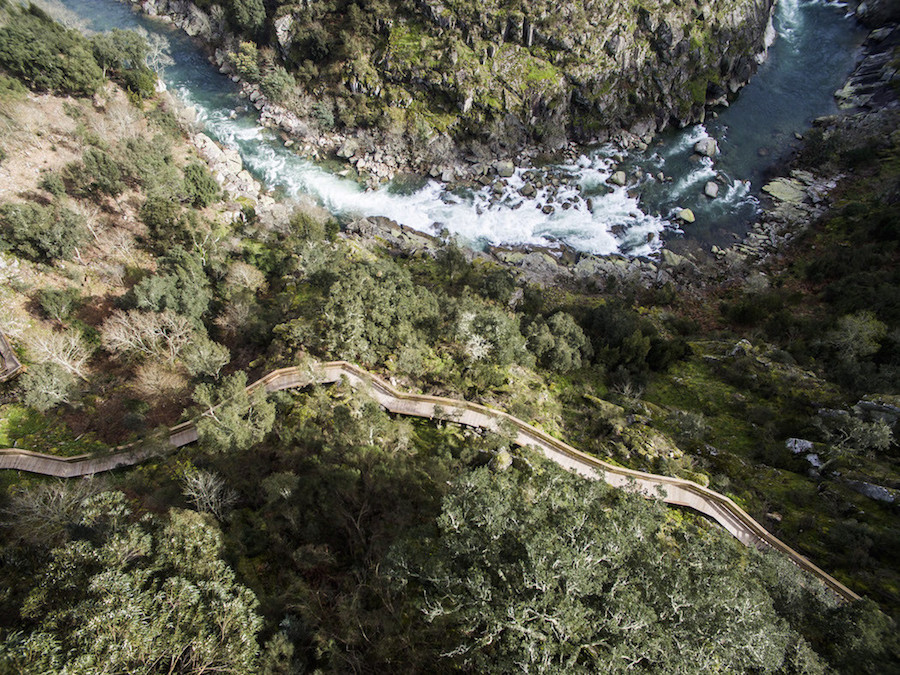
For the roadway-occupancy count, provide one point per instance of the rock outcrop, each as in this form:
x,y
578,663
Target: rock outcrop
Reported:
x,y
436,82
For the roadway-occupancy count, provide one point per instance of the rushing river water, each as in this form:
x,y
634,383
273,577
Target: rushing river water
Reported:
x,y
810,58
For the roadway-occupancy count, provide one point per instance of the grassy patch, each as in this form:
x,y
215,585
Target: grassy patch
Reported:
x,y
6,413
539,71
30,430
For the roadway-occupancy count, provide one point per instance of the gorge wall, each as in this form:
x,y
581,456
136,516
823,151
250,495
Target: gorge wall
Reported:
x,y
428,82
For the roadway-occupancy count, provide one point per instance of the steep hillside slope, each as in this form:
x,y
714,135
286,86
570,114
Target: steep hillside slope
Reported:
x,y
428,78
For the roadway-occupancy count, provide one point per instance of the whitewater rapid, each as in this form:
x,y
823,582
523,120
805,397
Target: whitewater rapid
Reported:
x,y
588,213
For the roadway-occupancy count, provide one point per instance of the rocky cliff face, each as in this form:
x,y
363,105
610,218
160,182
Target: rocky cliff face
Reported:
x,y
432,79
582,69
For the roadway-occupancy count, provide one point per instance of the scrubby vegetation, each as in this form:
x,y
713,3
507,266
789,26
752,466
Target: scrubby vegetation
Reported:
x,y
48,57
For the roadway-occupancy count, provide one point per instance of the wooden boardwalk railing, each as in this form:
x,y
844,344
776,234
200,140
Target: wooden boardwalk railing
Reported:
x,y
671,490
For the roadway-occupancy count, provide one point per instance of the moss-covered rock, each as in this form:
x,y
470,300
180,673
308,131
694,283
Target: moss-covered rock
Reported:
x,y
496,76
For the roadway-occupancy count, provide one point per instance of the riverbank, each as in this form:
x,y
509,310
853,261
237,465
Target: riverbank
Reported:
x,y
378,153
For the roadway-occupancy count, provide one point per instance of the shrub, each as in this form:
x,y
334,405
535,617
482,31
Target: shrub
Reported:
x,y
47,56
323,114
97,173
53,183
58,303
200,187
41,233
277,84
158,380
307,227
10,89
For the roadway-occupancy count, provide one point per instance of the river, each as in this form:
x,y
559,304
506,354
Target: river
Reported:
x,y
812,53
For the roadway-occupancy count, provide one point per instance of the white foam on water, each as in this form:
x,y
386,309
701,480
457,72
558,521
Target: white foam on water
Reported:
x,y
738,192
790,19
686,142
695,180
478,218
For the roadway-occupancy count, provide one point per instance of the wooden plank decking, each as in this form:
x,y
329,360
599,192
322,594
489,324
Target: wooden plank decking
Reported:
x,y
674,491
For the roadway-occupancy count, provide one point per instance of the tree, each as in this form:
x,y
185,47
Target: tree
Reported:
x,y
180,285
492,335
151,595
46,56
123,55
856,336
862,638
163,216
137,334
559,343
205,357
277,84
549,572
46,385
158,51
66,349
233,418
373,308
849,435
119,50
45,513
246,61
249,15
207,492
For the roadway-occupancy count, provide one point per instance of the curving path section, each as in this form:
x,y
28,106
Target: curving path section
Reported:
x,y
671,490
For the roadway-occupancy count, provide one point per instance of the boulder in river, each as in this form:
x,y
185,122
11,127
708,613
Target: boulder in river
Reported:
x,y
711,189
504,169
687,216
618,178
707,147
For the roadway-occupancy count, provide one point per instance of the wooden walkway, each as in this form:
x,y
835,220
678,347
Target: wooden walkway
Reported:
x,y
671,490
